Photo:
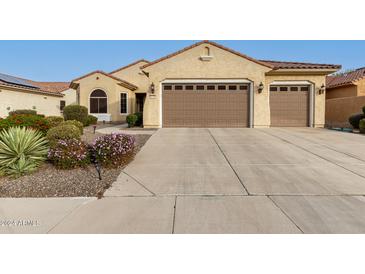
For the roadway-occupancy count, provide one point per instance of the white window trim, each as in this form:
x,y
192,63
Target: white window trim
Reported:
x,y
127,103
107,101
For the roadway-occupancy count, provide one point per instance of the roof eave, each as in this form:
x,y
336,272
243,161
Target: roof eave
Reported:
x,y
326,71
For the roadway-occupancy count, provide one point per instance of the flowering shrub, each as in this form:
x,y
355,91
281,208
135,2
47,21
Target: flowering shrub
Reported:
x,y
69,153
111,150
35,122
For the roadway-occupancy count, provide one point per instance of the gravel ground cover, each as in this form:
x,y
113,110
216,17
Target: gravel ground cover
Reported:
x,y
49,181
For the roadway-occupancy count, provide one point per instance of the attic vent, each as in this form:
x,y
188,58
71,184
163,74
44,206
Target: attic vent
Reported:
x,y
206,56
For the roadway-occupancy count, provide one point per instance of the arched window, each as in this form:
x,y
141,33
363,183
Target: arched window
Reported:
x,y
98,101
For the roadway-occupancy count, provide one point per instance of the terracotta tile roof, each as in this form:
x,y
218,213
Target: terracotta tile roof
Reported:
x,y
127,66
210,43
299,65
345,79
52,86
124,83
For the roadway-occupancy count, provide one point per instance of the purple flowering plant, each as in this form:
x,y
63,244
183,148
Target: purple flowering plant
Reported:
x,y
113,149
69,153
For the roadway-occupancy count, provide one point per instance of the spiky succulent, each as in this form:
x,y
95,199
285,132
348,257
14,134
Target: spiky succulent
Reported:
x,y
22,150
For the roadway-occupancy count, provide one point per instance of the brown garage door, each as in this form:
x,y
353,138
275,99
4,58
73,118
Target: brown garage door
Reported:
x,y
205,105
289,106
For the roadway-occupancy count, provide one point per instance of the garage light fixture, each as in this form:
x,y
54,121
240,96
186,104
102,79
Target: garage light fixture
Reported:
x,y
152,88
322,89
260,87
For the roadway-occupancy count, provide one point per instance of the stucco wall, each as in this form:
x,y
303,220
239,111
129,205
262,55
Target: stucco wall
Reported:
x,y
70,96
187,65
340,92
339,110
361,87
17,99
112,89
319,99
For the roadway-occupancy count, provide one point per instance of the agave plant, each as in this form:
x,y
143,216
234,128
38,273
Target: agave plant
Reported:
x,y
21,150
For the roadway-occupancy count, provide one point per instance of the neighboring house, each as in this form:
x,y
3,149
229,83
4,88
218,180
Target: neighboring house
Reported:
x,y
345,97
46,98
209,85
346,85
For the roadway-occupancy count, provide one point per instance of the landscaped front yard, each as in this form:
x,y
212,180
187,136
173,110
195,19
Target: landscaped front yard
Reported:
x,y
66,169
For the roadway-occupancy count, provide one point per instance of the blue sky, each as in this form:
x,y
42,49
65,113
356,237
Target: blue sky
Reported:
x,y
66,60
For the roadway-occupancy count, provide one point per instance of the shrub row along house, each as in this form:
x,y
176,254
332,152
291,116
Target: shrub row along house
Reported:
x,y
207,85
345,97
47,98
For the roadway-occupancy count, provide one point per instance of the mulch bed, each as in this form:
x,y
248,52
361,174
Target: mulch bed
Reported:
x,y
49,181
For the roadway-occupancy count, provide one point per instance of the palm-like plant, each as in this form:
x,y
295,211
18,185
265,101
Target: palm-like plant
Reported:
x,y
21,150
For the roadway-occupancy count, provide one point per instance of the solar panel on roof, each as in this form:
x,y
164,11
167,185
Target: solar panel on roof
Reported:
x,y
16,81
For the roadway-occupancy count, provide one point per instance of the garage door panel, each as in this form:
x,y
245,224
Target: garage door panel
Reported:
x,y
205,108
289,108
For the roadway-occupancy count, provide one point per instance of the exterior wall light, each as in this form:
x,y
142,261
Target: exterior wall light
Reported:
x,y
260,87
322,89
152,88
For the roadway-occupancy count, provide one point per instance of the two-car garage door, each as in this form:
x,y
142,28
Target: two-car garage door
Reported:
x,y
228,105
205,105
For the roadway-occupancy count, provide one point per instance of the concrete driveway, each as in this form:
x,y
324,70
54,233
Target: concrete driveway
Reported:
x,y
276,180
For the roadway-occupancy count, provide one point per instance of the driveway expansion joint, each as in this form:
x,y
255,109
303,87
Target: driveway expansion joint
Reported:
x,y
286,215
225,157
138,182
174,217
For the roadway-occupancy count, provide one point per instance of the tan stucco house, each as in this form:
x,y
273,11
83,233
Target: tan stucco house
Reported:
x,y
46,98
346,85
345,97
209,85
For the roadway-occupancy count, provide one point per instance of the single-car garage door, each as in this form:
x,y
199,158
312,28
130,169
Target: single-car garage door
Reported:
x,y
289,106
205,105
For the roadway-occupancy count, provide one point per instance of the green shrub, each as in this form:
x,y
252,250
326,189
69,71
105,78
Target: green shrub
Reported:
x,y
35,122
71,153
139,121
354,120
77,124
131,120
362,125
54,121
62,132
76,112
23,111
22,150
91,120
363,109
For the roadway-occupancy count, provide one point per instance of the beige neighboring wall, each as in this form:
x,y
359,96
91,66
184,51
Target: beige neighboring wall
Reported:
x,y
187,65
14,98
360,87
133,74
69,96
111,88
341,92
319,99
